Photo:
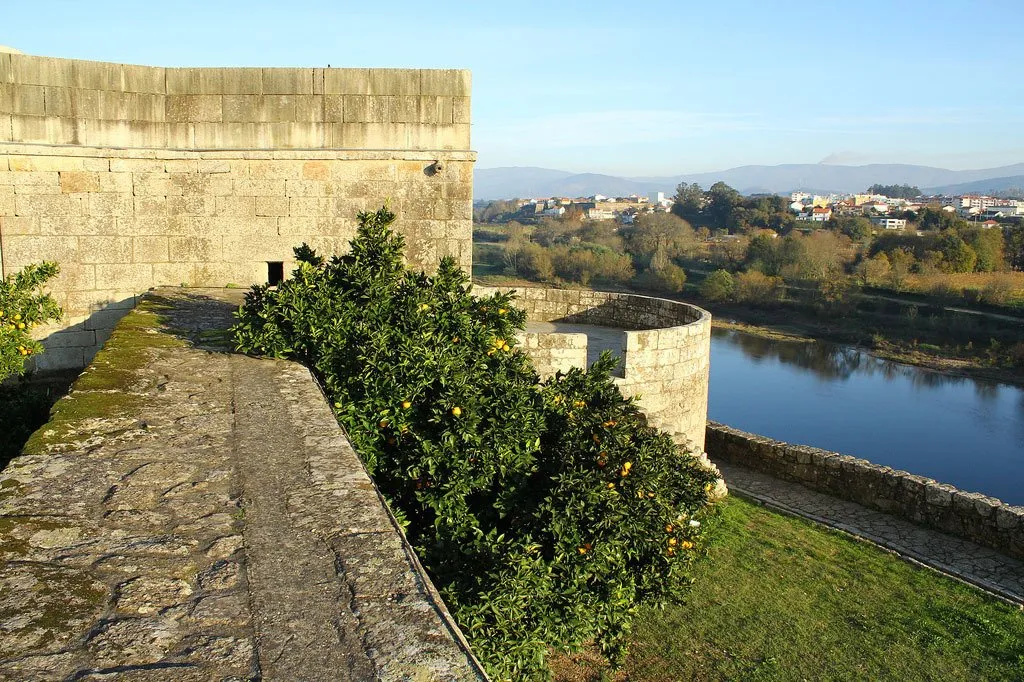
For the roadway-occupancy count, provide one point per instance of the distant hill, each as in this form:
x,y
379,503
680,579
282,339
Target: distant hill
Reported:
x,y
508,183
981,186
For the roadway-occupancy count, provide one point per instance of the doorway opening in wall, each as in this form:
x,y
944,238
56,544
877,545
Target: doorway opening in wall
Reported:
x,y
275,273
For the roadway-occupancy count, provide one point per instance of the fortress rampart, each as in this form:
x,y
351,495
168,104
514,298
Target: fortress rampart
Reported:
x,y
134,176
666,349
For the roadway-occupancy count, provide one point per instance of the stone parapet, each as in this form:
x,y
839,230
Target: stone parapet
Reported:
x,y
973,516
667,349
44,100
193,514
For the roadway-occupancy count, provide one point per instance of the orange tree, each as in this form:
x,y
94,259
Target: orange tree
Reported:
x,y
546,512
23,305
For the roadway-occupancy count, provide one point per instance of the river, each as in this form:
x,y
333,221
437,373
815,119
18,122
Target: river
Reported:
x,y
962,431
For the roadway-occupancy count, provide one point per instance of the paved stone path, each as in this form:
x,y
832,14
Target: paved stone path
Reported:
x,y
200,516
983,567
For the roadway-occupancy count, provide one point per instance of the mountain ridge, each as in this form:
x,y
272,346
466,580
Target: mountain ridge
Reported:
x,y
524,182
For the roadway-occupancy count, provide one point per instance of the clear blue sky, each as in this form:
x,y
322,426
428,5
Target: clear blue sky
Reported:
x,y
653,88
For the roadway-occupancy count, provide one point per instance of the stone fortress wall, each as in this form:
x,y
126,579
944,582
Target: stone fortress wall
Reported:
x,y
133,176
666,349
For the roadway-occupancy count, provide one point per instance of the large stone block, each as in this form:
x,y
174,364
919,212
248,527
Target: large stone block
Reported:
x,y
347,81
91,225
195,249
33,70
278,81
450,82
193,108
105,249
144,79
6,71
152,249
79,181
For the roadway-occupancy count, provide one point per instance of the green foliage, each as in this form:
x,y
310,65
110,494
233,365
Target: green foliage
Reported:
x,y
667,278
756,287
585,264
895,191
546,512
24,408
956,254
654,233
718,286
23,305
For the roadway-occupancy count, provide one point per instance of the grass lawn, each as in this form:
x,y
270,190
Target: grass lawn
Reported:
x,y
779,598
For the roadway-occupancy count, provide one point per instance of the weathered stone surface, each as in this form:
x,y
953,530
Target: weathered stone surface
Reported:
x,y
192,515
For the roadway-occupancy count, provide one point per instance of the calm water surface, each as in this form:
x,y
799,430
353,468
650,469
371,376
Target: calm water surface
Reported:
x,y
962,431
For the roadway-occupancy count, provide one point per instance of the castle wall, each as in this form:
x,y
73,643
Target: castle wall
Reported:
x,y
133,177
667,356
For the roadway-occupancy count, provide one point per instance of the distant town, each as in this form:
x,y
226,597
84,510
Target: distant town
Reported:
x,y
886,212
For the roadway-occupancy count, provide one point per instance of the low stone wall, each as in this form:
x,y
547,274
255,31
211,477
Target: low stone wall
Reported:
x,y
667,348
552,353
973,516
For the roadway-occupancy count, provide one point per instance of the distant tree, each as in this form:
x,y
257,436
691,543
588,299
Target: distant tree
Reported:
x,y
1013,243
900,263
535,264
763,255
721,200
688,201
989,247
718,286
729,254
895,191
934,218
956,253
874,270
756,287
653,231
663,275
495,211
857,228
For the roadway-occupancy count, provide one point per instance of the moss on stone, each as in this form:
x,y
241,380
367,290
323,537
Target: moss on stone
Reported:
x,y
110,387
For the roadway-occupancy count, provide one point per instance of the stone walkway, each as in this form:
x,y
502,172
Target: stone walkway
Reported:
x,y
195,514
980,566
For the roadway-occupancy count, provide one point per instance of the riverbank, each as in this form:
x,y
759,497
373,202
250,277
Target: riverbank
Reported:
x,y
798,329
889,337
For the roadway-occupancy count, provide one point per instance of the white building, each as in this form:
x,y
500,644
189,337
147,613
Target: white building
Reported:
x,y
890,223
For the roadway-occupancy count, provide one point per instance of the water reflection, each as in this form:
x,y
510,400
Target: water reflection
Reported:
x,y
838,362
955,429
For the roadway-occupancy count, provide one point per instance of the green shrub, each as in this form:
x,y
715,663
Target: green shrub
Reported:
x,y
755,287
23,305
546,512
668,278
718,286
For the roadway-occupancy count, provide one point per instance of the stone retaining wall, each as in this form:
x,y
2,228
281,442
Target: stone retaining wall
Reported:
x,y
133,176
973,516
667,348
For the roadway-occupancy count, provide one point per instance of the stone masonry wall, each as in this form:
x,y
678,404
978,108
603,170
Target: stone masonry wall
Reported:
x,y
553,353
973,516
667,351
132,177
